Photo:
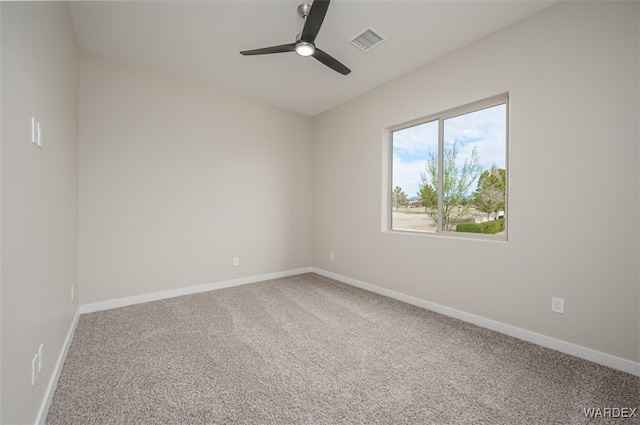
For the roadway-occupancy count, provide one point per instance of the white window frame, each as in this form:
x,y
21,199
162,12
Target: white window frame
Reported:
x,y
387,167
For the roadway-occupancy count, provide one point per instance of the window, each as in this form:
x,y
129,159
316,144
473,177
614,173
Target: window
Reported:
x,y
449,172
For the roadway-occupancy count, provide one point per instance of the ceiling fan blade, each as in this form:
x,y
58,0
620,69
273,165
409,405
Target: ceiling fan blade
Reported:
x,y
314,20
283,48
330,61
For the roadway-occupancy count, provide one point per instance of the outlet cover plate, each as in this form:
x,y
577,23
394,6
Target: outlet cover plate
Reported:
x,y
557,305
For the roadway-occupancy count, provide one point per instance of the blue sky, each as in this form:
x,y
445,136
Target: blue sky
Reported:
x,y
484,129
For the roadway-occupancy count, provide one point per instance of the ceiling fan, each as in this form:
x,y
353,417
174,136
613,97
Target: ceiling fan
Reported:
x,y
313,16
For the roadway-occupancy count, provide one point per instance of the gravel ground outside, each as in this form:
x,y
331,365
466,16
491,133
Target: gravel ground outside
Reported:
x,y
417,219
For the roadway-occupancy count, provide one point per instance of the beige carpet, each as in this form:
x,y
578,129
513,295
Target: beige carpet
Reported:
x,y
311,350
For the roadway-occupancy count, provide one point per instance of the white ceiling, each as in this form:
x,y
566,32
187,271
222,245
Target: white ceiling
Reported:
x,y
202,39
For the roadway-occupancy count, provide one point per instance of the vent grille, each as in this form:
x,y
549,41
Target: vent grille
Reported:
x,y
367,39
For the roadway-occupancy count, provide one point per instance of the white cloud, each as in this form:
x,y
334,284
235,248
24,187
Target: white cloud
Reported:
x,y
407,175
484,129
416,141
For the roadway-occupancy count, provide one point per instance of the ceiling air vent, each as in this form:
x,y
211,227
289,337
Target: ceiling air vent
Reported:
x,y
367,39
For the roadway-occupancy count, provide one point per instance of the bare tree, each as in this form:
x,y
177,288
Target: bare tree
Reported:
x,y
455,187
490,194
399,198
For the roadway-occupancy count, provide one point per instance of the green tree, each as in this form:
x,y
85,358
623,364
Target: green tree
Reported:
x,y
455,188
428,196
399,198
489,196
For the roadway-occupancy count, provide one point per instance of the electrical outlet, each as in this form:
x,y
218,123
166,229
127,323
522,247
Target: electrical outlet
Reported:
x,y
557,305
332,256
236,261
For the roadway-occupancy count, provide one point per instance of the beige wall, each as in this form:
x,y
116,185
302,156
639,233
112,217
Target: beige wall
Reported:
x,y
572,74
177,178
39,198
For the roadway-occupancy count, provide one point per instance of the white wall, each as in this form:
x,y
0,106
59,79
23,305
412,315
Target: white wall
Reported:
x,y
177,178
39,248
572,74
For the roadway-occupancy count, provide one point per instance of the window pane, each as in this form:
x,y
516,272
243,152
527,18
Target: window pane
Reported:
x,y
450,173
474,167
415,152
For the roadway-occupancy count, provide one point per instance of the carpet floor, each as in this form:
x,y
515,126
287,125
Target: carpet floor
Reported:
x,y
310,350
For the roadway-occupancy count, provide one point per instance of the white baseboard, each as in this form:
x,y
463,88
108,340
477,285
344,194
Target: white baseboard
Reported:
x,y
139,299
523,334
57,370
